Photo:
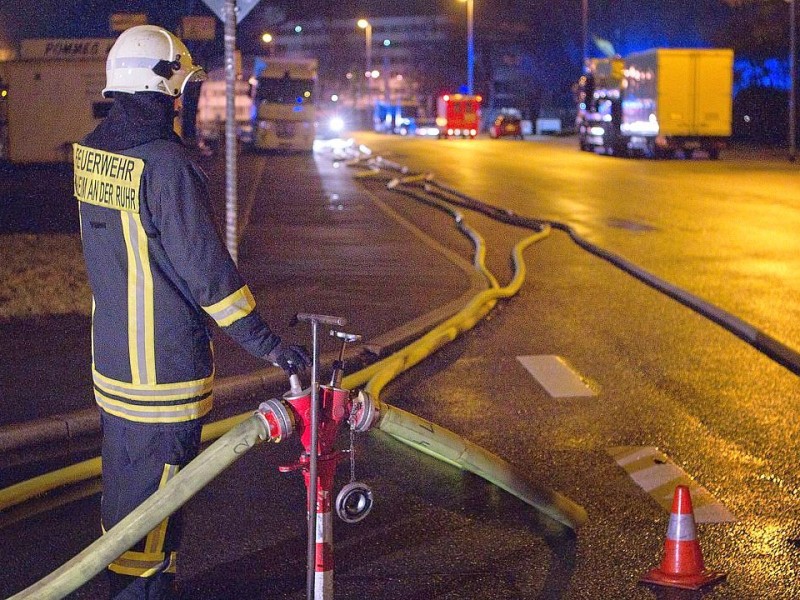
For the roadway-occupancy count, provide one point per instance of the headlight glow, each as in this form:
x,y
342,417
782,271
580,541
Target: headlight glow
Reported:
x,y
336,124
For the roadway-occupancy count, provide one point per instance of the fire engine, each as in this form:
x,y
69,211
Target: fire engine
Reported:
x,y
458,115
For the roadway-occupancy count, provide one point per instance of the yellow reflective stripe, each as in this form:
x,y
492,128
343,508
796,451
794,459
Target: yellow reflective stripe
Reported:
x,y
133,318
142,564
155,414
156,391
232,308
173,563
155,539
149,325
141,321
91,332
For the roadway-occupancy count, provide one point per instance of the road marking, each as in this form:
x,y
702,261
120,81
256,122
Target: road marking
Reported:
x,y
657,475
556,376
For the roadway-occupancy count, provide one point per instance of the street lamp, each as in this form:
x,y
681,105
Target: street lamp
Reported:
x,y
470,46
367,27
267,39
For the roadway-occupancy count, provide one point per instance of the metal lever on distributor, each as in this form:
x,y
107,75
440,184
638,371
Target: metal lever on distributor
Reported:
x,y
338,364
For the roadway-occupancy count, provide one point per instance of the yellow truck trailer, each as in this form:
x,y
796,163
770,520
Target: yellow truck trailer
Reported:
x,y
658,102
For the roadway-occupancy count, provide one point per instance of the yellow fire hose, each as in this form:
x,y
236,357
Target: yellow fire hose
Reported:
x,y
194,477
243,433
443,444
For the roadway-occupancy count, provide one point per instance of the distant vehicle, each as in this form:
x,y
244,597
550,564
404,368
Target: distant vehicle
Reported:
x,y
284,104
383,117
50,97
458,115
657,102
427,128
212,111
399,117
506,126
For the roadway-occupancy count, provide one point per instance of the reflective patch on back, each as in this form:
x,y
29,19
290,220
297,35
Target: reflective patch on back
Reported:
x,y
107,179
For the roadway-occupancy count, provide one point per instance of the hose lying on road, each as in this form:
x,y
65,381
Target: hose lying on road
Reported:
x,y
774,349
196,475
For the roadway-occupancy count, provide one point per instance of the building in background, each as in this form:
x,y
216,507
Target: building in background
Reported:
x,y
412,59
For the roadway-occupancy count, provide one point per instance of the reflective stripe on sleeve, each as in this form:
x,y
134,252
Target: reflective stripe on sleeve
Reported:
x,y
232,308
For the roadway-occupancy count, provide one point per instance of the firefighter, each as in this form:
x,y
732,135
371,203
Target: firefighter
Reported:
x,y
159,275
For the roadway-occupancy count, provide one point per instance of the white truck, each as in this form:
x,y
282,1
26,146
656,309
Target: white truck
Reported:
x,y
658,102
284,104
212,107
51,97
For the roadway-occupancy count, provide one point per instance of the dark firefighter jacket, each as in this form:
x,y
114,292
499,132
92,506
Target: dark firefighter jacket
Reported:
x,y
157,268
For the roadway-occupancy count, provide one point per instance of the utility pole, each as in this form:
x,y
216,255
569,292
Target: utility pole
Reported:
x,y
231,225
792,83
585,30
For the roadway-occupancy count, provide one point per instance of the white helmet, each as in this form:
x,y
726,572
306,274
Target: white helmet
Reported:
x,y
147,58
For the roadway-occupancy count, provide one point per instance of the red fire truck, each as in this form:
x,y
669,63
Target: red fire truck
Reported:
x,y
458,115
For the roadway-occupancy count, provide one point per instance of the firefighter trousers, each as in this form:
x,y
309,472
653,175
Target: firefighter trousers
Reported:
x,y
138,459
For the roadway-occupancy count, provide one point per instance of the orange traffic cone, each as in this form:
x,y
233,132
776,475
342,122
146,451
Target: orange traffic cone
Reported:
x,y
682,566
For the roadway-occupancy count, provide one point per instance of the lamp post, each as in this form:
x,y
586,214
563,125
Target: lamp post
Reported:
x,y
367,27
470,46
585,30
267,39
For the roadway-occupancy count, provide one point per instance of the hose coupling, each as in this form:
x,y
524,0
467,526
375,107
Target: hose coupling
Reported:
x,y
365,412
277,418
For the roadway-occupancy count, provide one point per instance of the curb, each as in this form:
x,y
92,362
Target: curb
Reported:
x,y
263,383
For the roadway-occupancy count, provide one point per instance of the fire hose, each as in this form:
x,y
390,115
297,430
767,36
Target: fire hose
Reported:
x,y
274,421
196,475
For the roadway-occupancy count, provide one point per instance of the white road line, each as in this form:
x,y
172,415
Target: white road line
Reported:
x,y
556,376
657,475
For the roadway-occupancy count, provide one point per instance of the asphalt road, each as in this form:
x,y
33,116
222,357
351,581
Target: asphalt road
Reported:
x,y
662,376
725,230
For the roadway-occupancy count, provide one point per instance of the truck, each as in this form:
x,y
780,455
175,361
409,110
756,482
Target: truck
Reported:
x,y
458,115
657,102
212,107
51,97
283,111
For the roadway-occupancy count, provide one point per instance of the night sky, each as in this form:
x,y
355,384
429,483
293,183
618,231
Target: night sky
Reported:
x,y
660,20
554,26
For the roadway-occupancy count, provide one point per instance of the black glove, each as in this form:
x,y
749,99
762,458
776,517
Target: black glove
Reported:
x,y
289,357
